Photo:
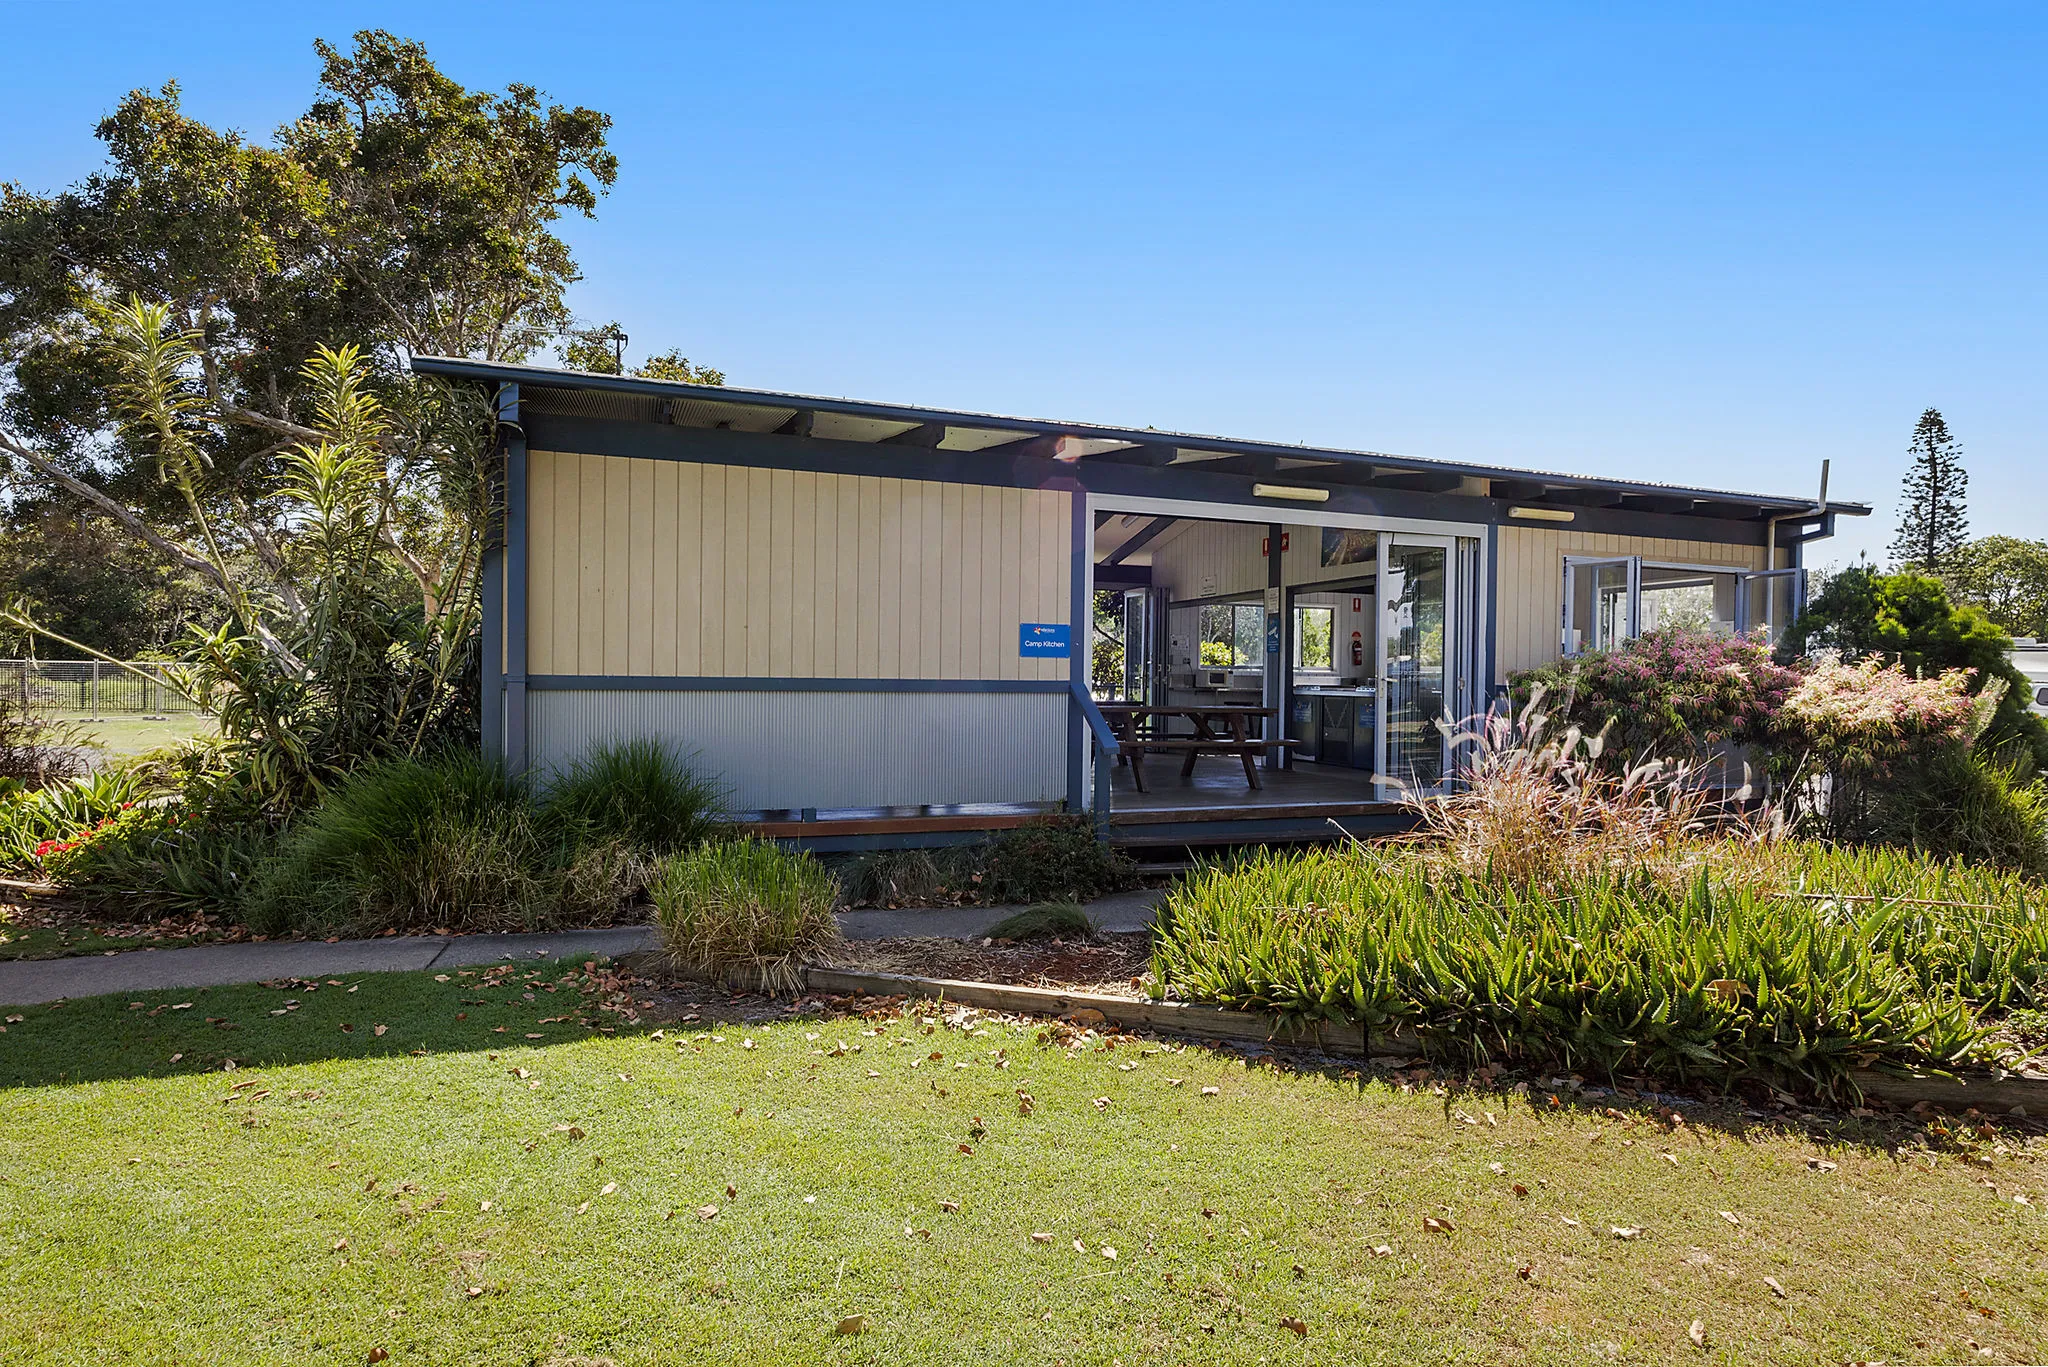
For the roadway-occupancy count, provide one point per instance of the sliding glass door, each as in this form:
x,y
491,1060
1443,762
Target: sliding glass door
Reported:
x,y
1415,653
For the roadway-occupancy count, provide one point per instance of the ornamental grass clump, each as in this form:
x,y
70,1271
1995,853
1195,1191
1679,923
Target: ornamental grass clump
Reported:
x,y
1537,808
1616,974
744,912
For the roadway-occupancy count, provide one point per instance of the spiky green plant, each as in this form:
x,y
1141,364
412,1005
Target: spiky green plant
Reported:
x,y
1618,973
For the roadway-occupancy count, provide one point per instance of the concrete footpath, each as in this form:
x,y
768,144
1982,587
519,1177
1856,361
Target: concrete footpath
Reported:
x,y
27,982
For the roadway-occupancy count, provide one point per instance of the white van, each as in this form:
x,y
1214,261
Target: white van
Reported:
x,y
2032,659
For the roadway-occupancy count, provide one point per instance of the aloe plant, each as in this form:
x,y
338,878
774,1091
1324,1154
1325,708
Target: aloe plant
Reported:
x,y
1619,972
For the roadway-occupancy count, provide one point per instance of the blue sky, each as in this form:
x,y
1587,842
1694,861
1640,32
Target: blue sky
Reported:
x,y
1707,244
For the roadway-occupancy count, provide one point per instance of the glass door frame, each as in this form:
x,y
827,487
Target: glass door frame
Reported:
x,y
1444,533
1383,777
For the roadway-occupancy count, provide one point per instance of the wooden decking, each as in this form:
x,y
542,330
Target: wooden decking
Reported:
x,y
1217,792
1211,806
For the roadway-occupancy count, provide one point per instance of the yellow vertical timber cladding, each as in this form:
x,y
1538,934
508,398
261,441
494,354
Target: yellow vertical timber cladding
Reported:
x,y
1529,613
642,568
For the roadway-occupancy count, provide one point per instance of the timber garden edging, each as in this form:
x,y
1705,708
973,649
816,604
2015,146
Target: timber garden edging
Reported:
x,y
1988,1093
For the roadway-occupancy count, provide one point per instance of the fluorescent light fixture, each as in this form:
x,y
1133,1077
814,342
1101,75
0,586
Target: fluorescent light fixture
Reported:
x,y
1291,491
1543,514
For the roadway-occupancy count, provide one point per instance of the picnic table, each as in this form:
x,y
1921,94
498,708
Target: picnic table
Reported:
x,y
1219,730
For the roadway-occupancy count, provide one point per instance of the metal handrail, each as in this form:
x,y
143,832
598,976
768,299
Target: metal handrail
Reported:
x,y
1106,749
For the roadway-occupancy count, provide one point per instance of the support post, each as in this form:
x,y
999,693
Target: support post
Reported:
x,y
514,720
1081,623
1276,642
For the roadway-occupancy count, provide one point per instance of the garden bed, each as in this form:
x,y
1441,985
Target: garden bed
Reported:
x,y
1111,965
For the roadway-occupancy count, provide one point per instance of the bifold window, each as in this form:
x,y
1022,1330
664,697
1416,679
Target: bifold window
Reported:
x,y
1610,600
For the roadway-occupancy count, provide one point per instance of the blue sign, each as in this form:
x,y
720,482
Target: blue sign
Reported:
x,y
1044,640
1272,633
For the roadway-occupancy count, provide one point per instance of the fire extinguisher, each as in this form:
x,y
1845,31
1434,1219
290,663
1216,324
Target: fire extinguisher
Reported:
x,y
1357,650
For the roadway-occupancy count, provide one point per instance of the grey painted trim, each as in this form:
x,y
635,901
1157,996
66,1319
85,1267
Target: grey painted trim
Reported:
x,y
1492,612
713,683
1080,644
493,591
657,441
517,533
541,377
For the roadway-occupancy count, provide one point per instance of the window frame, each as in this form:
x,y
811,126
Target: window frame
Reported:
x,y
1330,665
1751,591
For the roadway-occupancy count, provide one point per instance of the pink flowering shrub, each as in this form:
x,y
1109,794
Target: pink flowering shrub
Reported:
x,y
1870,715
1670,695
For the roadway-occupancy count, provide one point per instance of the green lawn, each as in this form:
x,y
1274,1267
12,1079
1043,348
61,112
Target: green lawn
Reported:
x,y
121,736
422,1191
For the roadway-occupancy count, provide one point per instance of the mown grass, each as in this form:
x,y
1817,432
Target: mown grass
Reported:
x,y
337,1203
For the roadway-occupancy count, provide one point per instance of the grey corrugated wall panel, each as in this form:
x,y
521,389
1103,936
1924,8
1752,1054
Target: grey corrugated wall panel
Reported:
x,y
792,750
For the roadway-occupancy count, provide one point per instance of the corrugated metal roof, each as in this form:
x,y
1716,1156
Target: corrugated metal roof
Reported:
x,y
582,393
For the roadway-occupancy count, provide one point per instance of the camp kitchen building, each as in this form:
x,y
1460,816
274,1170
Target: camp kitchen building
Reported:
x,y
873,623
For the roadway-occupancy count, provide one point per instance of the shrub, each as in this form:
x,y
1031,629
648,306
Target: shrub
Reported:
x,y
1053,921
1671,695
640,792
1616,975
36,751
1054,859
450,841
944,877
61,812
744,912
1957,803
1908,620
156,861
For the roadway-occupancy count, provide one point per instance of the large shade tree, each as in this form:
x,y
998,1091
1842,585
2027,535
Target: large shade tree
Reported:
x,y
204,345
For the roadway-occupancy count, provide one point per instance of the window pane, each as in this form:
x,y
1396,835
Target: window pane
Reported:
x,y
1691,600
1599,608
1251,633
1312,630
1217,636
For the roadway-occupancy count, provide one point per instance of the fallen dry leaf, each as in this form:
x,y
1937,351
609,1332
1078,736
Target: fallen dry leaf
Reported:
x,y
379,1355
1626,1231
1731,1217
1820,1165
707,1212
1044,1238
1080,1247
341,1243
475,1291
1776,1289
1212,1091
1382,1251
1520,1190
852,1324
1436,1226
731,1191
379,1029
608,1188
1496,1168
949,1206
1698,1332
1569,1220
1294,1326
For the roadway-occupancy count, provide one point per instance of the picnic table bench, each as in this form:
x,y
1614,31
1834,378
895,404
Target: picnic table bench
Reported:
x,y
1138,732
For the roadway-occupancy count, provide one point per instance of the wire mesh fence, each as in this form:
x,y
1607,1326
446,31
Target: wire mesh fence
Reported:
x,y
91,688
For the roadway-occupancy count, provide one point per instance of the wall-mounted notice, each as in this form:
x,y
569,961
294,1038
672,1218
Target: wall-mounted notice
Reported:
x,y
1044,640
